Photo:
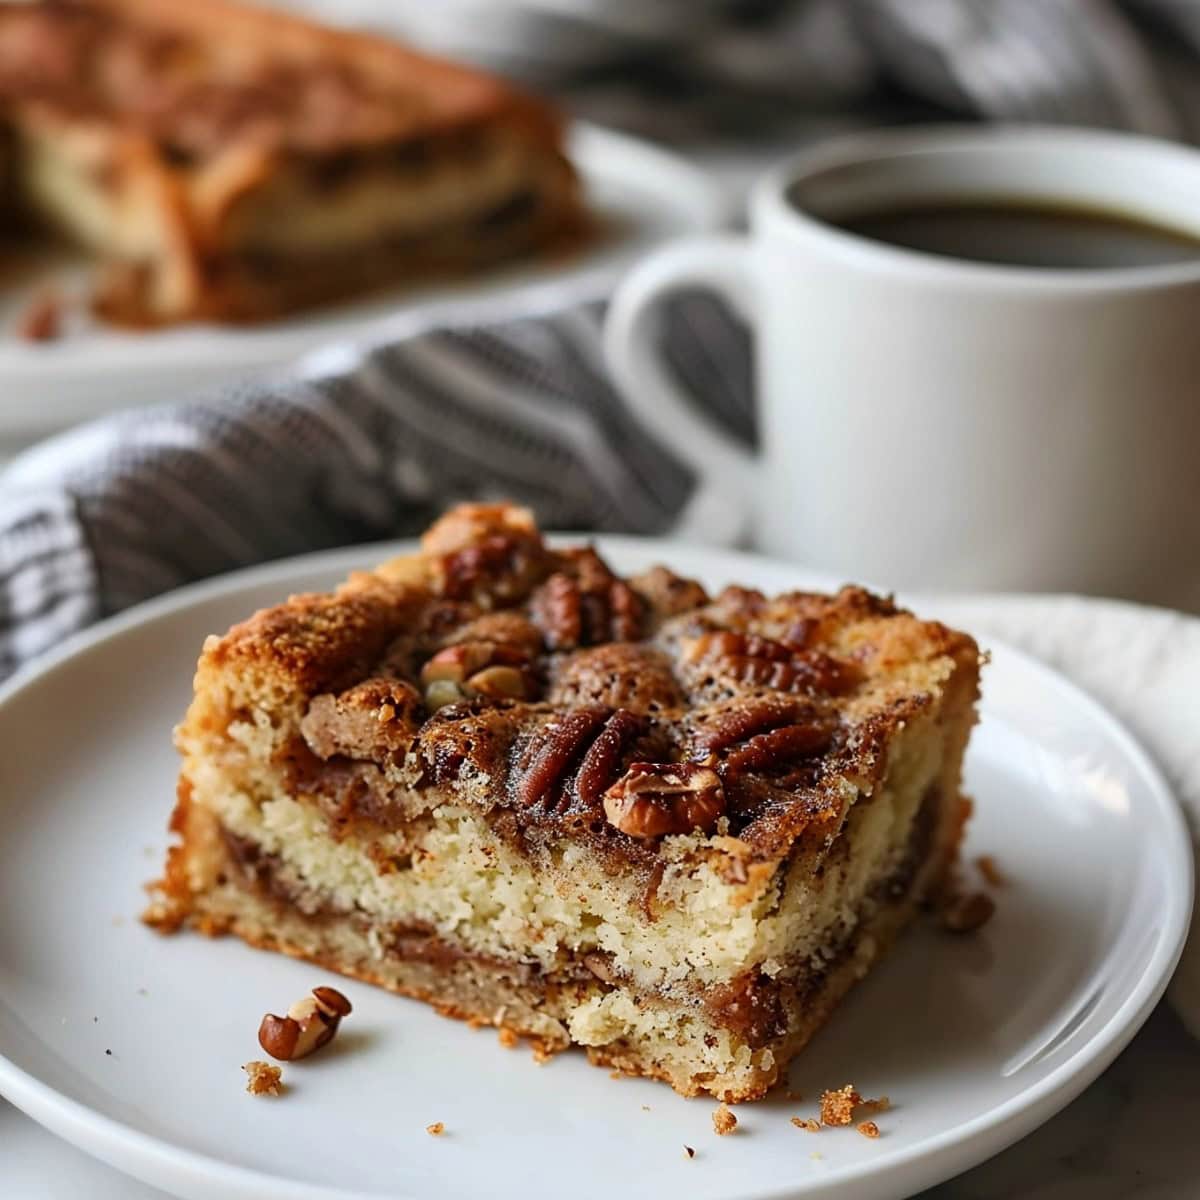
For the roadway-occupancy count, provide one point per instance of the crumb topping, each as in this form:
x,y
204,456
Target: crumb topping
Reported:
x,y
868,1129
436,1129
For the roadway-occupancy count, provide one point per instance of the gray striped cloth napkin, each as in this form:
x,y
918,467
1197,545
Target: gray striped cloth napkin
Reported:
x,y
361,446
350,447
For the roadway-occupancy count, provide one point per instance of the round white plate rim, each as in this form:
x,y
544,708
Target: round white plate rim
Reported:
x,y
155,1160
601,154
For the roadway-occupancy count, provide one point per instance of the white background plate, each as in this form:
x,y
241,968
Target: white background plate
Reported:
x,y
642,194
976,1040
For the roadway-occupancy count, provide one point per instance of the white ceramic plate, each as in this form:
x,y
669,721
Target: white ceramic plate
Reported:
x,y
643,194
976,1040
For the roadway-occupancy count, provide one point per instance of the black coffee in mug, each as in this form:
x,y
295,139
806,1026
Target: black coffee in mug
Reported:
x,y
1025,233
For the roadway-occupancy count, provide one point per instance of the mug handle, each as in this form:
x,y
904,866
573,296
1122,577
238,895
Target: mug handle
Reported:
x,y
719,509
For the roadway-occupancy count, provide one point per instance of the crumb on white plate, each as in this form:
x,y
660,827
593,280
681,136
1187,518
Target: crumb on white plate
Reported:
x,y
263,1079
724,1122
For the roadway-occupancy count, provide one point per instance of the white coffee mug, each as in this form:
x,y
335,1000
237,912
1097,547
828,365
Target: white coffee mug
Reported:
x,y
938,422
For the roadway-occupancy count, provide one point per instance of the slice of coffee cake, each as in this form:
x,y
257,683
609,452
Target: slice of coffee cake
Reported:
x,y
617,812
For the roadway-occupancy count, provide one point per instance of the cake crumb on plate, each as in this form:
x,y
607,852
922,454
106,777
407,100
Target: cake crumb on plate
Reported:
x,y
42,319
263,1078
837,1106
991,873
724,1122
966,914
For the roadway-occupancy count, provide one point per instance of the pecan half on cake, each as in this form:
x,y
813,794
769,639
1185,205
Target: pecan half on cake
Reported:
x,y
232,163
498,777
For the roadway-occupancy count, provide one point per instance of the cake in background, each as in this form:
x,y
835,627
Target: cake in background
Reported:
x,y
233,163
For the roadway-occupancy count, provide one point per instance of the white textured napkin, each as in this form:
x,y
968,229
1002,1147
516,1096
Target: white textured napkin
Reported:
x,y
1143,664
